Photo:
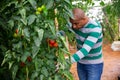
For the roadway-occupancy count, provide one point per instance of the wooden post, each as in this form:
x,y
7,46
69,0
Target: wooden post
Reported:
x,y
56,21
57,26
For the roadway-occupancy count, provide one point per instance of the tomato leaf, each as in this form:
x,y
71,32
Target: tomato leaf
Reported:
x,y
68,75
31,19
14,71
10,64
37,40
34,75
24,56
44,71
35,50
33,3
26,32
50,4
41,77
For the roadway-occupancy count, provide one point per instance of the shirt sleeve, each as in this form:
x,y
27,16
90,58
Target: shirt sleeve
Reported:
x,y
87,45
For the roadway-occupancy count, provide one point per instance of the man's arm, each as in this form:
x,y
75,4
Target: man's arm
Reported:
x,y
87,46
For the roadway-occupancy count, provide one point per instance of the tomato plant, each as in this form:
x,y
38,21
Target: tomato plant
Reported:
x,y
26,25
30,46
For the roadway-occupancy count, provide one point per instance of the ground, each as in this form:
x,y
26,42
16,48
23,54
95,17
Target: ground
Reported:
x,y
111,63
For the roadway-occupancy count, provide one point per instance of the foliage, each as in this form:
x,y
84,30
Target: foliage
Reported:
x,y
30,45
83,4
116,6
110,25
27,28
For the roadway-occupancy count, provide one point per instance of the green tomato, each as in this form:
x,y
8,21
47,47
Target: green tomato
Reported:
x,y
37,12
15,35
39,9
43,7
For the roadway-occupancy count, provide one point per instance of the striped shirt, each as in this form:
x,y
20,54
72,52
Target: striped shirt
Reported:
x,y
89,44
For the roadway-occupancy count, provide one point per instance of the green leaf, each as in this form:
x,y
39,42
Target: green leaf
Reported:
x,y
68,1
26,32
35,50
37,40
56,77
41,77
14,71
45,11
33,3
7,5
24,56
52,26
50,4
6,57
102,3
49,78
36,64
24,21
31,19
69,12
40,34
23,13
64,50
18,45
27,72
44,71
34,75
10,64
61,57
11,23
68,75
64,41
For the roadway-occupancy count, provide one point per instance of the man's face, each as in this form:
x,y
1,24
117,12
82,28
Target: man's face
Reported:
x,y
77,24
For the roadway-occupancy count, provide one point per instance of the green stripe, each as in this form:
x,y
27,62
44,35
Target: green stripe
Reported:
x,y
92,58
89,43
84,35
96,50
94,34
84,51
90,26
79,42
93,26
76,57
99,40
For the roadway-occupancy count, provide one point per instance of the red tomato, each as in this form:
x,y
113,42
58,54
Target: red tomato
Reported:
x,y
22,64
50,45
52,42
29,59
16,31
55,44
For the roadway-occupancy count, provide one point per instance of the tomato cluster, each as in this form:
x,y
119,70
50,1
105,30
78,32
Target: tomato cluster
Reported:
x,y
52,43
29,59
40,9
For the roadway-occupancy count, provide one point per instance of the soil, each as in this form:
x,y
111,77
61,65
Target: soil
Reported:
x,y
111,69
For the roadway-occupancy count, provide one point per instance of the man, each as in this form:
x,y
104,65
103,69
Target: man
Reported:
x,y
89,44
